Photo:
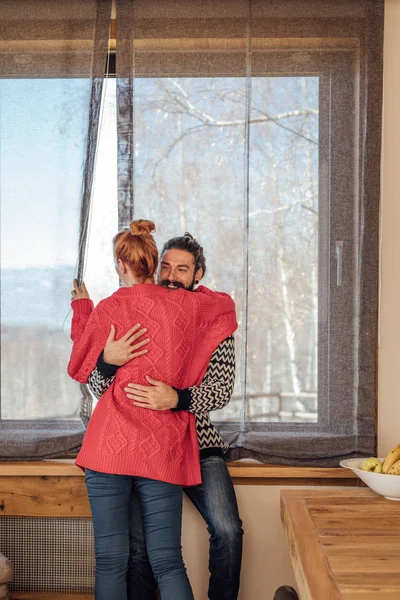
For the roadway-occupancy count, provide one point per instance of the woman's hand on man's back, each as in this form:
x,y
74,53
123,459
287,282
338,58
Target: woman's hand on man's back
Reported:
x,y
119,352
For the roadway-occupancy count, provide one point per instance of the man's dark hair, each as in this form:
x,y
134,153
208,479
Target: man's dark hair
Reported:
x,y
189,244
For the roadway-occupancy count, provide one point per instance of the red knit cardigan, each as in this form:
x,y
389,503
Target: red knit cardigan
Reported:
x,y
185,328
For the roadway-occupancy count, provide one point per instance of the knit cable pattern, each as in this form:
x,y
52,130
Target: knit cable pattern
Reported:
x,y
185,328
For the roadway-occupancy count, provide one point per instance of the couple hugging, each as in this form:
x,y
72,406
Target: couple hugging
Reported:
x,y
150,436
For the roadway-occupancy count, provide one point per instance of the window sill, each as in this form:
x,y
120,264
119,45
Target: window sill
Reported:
x,y
242,472
56,488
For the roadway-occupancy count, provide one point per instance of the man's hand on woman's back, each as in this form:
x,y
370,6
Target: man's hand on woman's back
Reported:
x,y
156,396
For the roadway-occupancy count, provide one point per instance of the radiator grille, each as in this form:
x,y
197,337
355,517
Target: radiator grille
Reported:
x,y
49,554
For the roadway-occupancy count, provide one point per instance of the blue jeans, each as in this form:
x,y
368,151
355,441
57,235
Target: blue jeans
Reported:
x,y
111,500
216,501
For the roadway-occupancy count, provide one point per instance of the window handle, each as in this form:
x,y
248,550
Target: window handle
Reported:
x,y
339,262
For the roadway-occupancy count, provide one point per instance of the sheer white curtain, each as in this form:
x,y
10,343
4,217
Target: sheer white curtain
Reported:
x,y
244,123
52,61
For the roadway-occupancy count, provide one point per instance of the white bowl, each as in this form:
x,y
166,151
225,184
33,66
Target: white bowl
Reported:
x,y
385,485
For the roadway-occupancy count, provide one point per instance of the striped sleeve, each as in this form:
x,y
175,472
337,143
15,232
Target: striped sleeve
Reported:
x,y
102,376
216,389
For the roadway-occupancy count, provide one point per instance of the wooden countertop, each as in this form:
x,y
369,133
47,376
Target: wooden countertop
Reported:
x,y
344,543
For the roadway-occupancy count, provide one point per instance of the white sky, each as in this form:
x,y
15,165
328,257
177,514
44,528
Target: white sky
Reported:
x,y
40,195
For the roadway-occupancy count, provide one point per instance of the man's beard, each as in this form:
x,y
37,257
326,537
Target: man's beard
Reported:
x,y
177,284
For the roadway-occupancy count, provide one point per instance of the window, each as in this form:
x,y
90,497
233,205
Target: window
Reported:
x,y
253,130
41,174
189,176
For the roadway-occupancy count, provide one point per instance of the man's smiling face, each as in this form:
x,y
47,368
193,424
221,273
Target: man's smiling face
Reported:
x,y
177,270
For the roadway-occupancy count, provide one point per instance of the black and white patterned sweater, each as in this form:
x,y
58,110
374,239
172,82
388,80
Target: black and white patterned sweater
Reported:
x,y
213,393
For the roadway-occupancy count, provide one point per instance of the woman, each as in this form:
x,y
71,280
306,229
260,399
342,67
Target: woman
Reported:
x,y
124,444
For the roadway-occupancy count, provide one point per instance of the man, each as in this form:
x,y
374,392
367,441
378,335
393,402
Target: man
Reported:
x,y
182,266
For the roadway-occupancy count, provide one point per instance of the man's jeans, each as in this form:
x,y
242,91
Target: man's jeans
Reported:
x,y
216,501
161,509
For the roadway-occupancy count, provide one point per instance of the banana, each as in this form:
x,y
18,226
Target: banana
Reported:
x,y
394,469
372,464
392,457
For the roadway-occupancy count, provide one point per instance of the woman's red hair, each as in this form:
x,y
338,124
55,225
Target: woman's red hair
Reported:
x,y
136,247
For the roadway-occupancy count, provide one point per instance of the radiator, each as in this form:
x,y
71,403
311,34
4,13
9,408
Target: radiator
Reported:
x,y
48,554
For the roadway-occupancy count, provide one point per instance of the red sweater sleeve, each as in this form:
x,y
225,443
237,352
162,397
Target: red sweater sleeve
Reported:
x,y
82,310
89,334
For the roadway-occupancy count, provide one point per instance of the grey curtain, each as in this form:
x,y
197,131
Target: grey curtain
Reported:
x,y
52,62
256,125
